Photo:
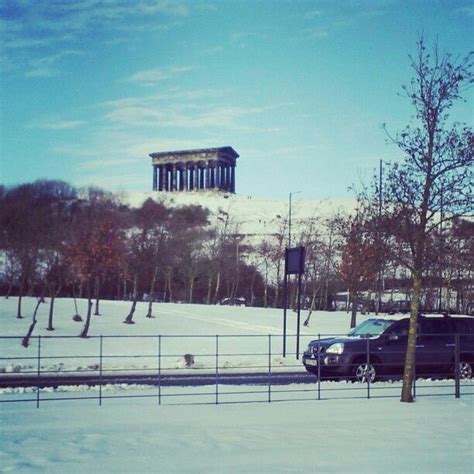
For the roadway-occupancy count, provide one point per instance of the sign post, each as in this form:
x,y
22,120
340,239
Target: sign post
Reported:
x,y
294,265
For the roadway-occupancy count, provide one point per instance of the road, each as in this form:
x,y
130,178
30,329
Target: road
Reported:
x,y
165,380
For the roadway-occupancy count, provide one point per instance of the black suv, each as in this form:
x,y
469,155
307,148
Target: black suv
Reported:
x,y
377,348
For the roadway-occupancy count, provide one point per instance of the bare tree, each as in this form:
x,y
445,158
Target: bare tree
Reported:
x,y
359,260
96,244
436,173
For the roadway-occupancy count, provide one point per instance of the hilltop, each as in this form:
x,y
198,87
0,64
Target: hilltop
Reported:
x,y
253,216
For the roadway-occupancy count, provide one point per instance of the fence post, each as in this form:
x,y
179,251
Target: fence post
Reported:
x,y
269,368
319,366
217,369
159,369
38,373
368,367
100,372
457,362
414,375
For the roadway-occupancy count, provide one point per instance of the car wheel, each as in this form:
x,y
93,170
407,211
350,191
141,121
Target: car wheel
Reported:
x,y
363,372
465,370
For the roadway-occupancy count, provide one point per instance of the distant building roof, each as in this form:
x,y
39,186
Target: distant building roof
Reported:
x,y
220,151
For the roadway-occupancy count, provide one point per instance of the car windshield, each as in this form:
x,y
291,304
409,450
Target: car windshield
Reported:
x,y
371,327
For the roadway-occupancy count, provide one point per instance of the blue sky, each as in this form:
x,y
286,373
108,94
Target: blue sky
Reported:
x,y
300,89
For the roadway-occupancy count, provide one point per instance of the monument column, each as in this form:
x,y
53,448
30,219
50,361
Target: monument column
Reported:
x,y
160,178
221,176
154,178
212,182
217,181
208,176
191,177
165,178
185,177
224,177
173,178
232,178
196,177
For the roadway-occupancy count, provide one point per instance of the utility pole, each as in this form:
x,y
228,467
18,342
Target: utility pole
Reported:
x,y
289,216
380,282
285,304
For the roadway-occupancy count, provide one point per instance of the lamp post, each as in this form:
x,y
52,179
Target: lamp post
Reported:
x,y
285,306
289,216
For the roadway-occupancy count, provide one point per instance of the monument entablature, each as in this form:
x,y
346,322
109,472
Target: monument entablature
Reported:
x,y
195,170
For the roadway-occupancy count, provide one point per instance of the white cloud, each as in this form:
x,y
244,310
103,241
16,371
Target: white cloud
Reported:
x,y
152,76
47,66
35,27
59,124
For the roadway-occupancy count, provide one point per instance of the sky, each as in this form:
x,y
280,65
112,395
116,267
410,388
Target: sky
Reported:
x,y
300,89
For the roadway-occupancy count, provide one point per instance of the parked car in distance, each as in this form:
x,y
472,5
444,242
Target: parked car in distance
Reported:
x,y
377,347
233,301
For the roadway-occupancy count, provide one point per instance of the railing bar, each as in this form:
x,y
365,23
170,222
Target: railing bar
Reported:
x,y
39,373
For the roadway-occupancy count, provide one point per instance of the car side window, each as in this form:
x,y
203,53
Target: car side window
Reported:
x,y
463,326
400,328
433,327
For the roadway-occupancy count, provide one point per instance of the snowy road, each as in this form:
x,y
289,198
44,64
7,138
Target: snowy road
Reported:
x,y
171,380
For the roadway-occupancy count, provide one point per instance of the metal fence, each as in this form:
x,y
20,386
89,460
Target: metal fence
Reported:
x,y
199,369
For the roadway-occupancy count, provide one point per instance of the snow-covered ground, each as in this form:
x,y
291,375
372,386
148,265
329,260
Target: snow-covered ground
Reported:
x,y
335,434
241,331
434,435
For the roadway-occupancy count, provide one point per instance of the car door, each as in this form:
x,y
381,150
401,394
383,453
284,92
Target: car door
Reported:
x,y
433,351
392,347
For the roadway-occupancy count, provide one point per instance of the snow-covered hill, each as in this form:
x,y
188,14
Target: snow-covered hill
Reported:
x,y
253,216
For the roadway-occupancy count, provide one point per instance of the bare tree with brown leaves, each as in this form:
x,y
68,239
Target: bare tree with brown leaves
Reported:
x,y
436,173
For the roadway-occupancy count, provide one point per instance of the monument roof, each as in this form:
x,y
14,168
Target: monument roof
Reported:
x,y
224,150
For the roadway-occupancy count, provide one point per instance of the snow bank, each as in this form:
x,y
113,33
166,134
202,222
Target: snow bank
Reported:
x,y
435,435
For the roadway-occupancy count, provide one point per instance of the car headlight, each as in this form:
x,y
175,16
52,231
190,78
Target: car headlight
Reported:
x,y
337,348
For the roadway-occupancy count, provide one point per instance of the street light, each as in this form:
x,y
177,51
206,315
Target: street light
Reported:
x,y
289,216
285,306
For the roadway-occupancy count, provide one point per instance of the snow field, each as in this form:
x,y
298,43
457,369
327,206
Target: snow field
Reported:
x,y
245,337
338,433
435,435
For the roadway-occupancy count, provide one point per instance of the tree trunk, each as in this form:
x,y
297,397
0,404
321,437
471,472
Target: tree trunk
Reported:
x,y
10,286
191,284
75,300
129,318
118,292
97,295
252,289
20,296
169,287
265,294
277,293
85,330
125,296
209,289
355,303
312,306
168,284
409,371
25,342
217,288
52,296
152,293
